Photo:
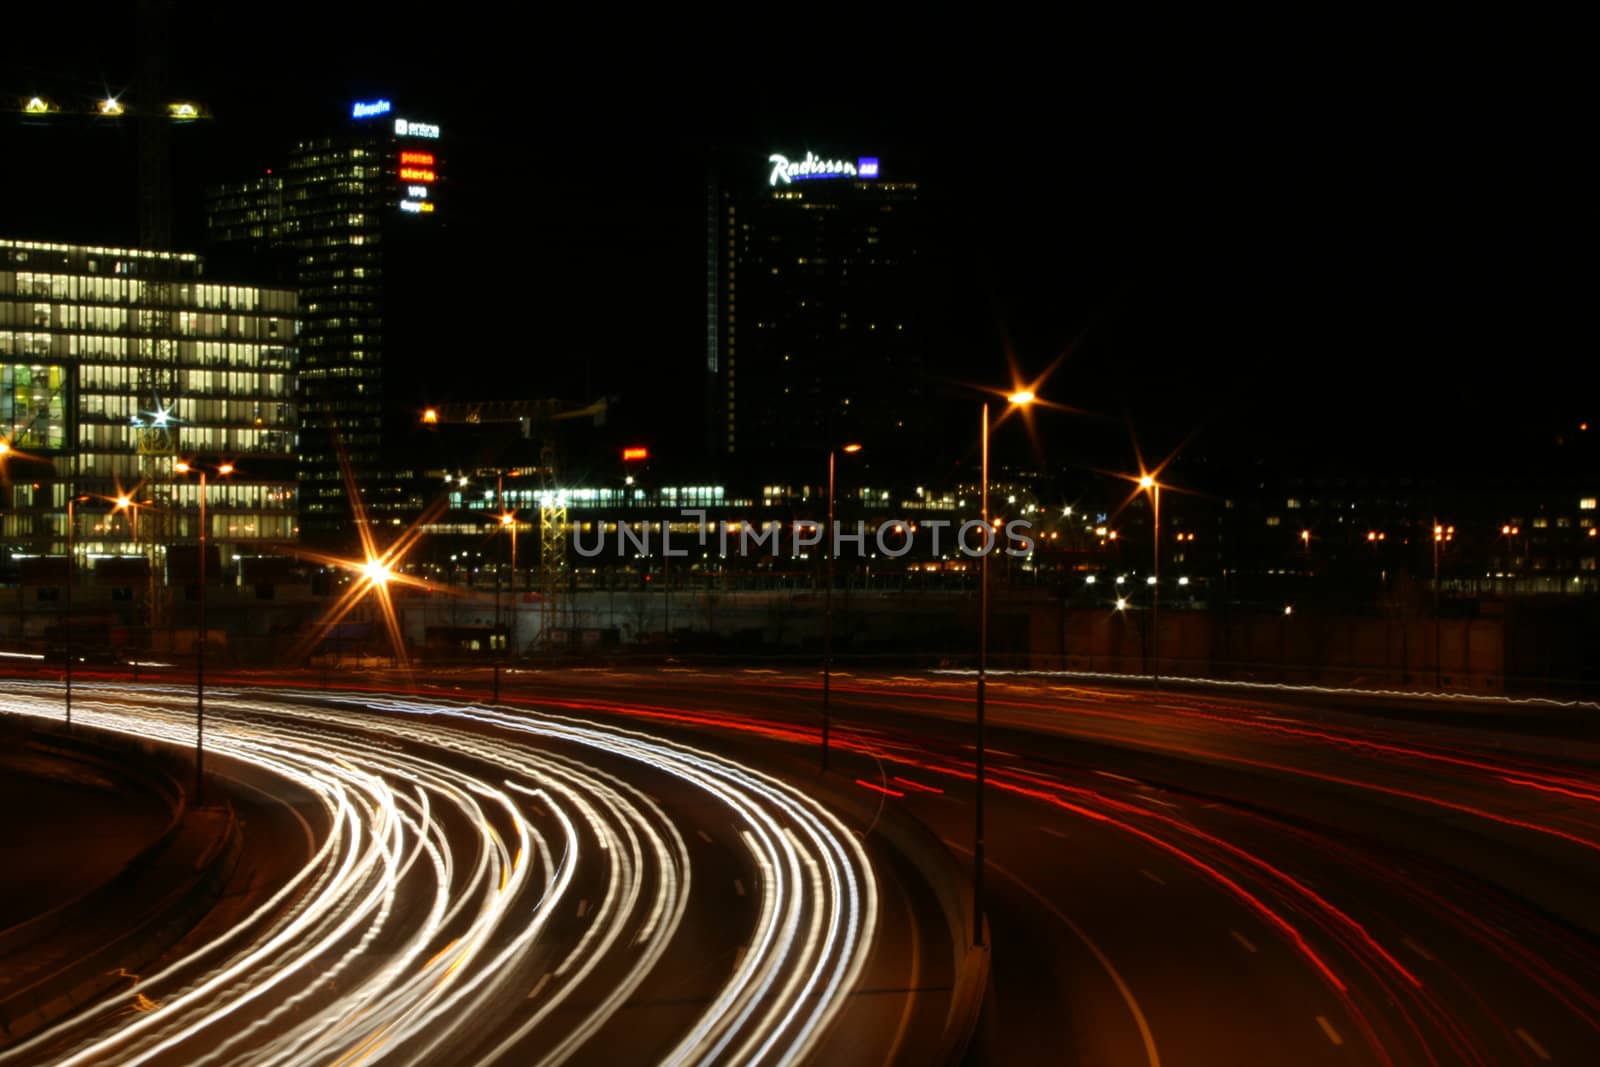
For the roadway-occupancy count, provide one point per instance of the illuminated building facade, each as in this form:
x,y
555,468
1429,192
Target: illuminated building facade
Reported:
x,y
342,221
114,364
815,329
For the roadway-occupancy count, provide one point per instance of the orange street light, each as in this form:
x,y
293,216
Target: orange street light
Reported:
x,y
827,605
1020,398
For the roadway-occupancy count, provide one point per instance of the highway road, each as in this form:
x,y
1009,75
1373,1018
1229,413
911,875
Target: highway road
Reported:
x,y
1205,877
450,884
1221,877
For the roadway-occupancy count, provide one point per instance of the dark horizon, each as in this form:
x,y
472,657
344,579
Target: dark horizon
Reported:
x,y
1360,272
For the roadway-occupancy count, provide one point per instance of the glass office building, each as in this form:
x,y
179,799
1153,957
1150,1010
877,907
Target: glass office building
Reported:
x,y
117,363
347,219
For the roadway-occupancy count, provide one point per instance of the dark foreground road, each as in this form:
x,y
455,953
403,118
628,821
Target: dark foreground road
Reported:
x,y
1226,878
1200,878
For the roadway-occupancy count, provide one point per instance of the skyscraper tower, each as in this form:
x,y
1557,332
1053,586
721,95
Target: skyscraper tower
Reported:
x,y
815,322
342,219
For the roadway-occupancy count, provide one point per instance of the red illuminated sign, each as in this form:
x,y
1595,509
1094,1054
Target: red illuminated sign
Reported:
x,y
635,453
417,174
421,158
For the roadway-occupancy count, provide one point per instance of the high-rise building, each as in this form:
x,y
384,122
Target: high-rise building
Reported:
x,y
342,220
114,364
816,329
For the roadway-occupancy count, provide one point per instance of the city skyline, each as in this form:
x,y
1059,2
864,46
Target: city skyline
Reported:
x,y
1297,266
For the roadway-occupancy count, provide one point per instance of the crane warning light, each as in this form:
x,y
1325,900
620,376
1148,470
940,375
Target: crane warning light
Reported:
x,y
635,452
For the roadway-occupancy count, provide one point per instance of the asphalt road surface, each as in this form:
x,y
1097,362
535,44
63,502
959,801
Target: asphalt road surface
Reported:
x,y
1223,877
439,883
1213,877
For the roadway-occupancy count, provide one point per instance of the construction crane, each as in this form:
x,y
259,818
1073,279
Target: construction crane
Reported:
x,y
536,420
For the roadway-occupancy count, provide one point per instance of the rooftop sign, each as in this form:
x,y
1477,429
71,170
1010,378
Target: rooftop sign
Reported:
x,y
365,109
785,170
403,128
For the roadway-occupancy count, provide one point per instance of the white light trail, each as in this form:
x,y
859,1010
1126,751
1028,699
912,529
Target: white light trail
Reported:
x,y
447,846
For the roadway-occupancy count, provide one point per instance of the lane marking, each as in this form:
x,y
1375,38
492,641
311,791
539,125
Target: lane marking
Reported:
x,y
1053,832
1418,949
540,984
583,907
1118,777
1128,998
1158,800
704,836
738,886
1538,1049
1327,1028
1243,940
1154,878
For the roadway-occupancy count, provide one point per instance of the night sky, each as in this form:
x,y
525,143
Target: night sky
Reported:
x,y
1323,258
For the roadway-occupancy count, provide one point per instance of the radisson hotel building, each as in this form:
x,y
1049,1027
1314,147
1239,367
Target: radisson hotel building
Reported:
x,y
815,333
343,221
114,364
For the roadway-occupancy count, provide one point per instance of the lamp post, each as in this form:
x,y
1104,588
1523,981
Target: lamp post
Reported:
x,y
72,521
184,467
1021,398
1441,534
1150,485
494,637
508,522
124,502
827,609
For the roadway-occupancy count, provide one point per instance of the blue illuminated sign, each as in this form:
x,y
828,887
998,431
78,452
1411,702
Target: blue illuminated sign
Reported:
x,y
367,109
867,167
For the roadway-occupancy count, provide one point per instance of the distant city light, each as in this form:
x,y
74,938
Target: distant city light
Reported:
x,y
635,452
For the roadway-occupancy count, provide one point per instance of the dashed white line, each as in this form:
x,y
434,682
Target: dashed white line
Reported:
x,y
1154,878
583,907
704,836
1053,832
539,985
1327,1028
1243,940
1118,777
1538,1049
738,886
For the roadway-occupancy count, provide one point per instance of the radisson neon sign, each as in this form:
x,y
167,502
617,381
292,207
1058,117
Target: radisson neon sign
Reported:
x,y
785,170
365,109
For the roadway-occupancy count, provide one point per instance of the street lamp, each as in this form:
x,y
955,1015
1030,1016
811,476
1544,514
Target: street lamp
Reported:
x,y
1021,398
72,521
1441,534
1149,484
827,610
224,469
